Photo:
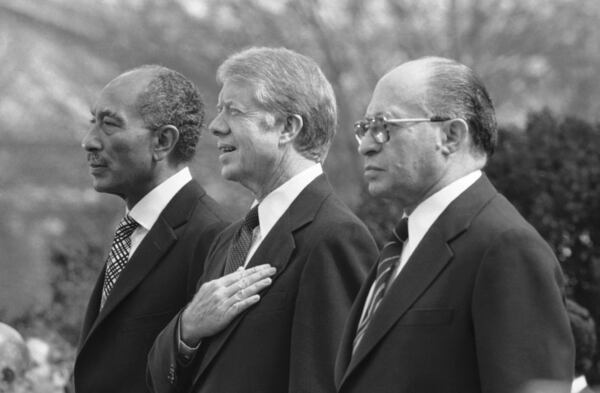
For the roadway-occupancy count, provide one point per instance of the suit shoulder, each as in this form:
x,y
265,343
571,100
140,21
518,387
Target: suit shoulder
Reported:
x,y
334,222
210,210
501,216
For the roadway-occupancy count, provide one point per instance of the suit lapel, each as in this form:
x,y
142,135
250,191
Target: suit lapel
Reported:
x,y
420,271
423,267
156,243
275,250
345,350
91,312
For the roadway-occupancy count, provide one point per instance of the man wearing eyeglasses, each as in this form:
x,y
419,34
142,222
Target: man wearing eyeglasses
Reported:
x,y
467,295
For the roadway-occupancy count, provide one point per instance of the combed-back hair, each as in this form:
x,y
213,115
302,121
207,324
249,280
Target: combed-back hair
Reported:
x,y
172,99
287,83
455,91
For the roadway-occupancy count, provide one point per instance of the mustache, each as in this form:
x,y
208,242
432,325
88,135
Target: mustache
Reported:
x,y
95,159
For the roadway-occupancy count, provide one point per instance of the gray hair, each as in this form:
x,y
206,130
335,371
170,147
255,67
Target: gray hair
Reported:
x,y
455,91
287,83
172,99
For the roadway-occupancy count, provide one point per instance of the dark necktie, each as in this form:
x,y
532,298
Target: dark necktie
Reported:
x,y
241,242
118,255
388,260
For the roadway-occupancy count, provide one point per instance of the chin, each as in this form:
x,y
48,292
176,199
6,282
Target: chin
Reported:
x,y
104,186
231,174
376,189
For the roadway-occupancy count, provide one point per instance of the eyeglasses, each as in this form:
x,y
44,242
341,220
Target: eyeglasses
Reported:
x,y
379,126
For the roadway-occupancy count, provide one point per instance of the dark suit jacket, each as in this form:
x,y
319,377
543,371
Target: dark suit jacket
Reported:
x,y
158,280
287,342
477,308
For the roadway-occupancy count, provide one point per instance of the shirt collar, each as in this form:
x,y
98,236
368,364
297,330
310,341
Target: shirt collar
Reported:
x,y
425,214
147,210
279,200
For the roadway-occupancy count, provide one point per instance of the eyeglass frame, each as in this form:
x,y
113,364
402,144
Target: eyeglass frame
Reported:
x,y
383,136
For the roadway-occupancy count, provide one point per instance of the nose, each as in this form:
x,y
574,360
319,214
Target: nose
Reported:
x,y
368,146
91,141
219,126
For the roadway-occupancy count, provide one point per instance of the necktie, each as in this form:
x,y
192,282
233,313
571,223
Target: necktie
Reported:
x,y
118,255
388,259
241,242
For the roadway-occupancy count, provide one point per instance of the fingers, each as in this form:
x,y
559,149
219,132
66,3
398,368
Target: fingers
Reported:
x,y
242,305
249,275
242,279
218,301
248,292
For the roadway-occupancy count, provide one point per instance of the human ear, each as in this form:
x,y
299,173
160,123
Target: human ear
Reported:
x,y
165,139
291,128
455,133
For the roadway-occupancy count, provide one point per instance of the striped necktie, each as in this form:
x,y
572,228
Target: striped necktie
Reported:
x,y
241,242
118,255
388,259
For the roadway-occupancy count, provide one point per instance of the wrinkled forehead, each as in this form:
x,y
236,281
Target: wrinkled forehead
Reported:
x,y
401,92
239,92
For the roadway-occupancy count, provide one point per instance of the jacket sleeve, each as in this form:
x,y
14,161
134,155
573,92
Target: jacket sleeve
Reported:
x,y
336,267
521,328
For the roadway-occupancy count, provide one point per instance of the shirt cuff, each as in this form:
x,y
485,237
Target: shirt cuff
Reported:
x,y
185,352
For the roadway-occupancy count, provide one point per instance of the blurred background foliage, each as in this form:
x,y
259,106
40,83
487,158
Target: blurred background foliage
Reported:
x,y
539,59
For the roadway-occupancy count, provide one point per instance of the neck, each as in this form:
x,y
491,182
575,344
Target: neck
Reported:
x,y
449,176
160,174
287,169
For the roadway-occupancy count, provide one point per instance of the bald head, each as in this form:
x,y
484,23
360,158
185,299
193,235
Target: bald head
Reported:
x,y
443,87
404,86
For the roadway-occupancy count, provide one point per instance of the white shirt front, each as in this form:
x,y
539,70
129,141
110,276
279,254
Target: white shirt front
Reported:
x,y
277,202
147,210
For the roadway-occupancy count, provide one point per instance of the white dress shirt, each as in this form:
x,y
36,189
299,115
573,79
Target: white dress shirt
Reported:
x,y
277,202
147,210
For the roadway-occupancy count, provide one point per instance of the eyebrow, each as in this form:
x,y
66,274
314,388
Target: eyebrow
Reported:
x,y
107,112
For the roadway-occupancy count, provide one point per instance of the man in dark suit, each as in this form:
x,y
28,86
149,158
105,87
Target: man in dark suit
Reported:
x,y
276,121
467,297
145,127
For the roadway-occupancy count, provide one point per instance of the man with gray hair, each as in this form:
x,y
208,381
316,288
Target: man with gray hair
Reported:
x,y
467,295
276,120
144,131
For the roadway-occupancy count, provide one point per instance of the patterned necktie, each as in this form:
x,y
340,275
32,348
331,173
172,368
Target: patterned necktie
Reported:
x,y
241,242
388,259
118,255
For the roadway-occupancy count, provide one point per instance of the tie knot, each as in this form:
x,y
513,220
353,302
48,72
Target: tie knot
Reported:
x,y
401,230
126,226
251,219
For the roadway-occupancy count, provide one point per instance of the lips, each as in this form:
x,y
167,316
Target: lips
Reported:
x,y
224,148
369,168
96,164
95,161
